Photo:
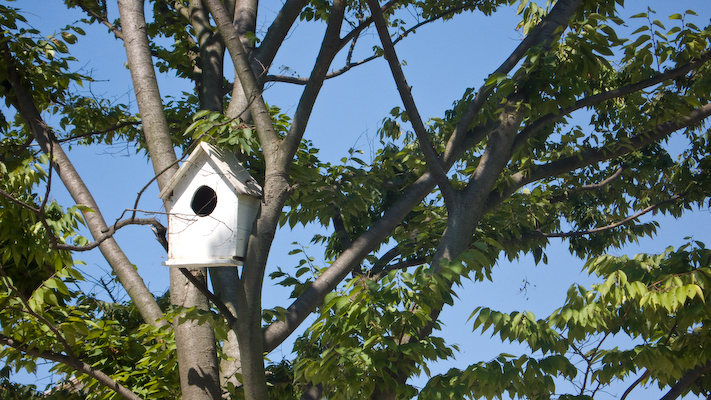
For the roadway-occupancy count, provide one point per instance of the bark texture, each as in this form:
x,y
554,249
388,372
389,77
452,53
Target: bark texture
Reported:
x,y
196,346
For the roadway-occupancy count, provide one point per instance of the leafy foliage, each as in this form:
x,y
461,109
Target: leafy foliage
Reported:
x,y
523,171
657,301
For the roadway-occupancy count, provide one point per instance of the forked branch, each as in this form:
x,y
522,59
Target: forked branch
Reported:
x,y
540,123
542,35
353,36
606,152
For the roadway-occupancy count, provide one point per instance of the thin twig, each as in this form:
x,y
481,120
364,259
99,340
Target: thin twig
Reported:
x,y
18,202
112,231
145,187
103,19
355,35
19,148
330,75
100,132
639,380
75,363
607,227
41,215
226,313
590,187
28,309
589,363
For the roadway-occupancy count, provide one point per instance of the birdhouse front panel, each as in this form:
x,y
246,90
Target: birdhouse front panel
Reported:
x,y
210,216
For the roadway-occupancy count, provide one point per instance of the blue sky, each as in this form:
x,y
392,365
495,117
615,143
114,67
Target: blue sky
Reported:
x,y
442,59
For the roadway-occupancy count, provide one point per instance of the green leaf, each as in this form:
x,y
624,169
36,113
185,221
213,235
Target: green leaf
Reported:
x,y
495,79
640,29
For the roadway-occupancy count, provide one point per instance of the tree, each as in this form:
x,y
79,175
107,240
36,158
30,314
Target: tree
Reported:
x,y
400,231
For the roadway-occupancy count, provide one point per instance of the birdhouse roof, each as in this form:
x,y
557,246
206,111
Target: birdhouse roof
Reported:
x,y
224,162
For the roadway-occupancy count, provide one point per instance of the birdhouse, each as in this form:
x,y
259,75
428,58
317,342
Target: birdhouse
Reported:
x,y
212,205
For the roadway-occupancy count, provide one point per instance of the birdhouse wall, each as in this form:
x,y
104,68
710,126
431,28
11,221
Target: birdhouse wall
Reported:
x,y
219,237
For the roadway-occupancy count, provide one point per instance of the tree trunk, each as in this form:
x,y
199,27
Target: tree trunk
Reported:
x,y
224,282
244,21
197,357
464,213
210,93
196,346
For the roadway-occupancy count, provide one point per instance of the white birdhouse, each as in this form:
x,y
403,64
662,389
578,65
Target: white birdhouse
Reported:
x,y
212,204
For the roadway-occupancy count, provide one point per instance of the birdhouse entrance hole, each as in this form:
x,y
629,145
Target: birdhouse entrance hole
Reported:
x,y
204,201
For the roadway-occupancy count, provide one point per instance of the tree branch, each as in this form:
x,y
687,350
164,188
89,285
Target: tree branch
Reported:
x,y
591,187
106,233
75,363
590,156
103,19
385,259
304,81
155,177
403,265
339,269
274,38
226,313
351,36
496,155
595,186
18,202
100,132
589,363
247,78
381,267
543,34
111,231
264,55
150,104
329,49
124,269
687,380
536,126
639,380
611,226
431,157
297,312
28,310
